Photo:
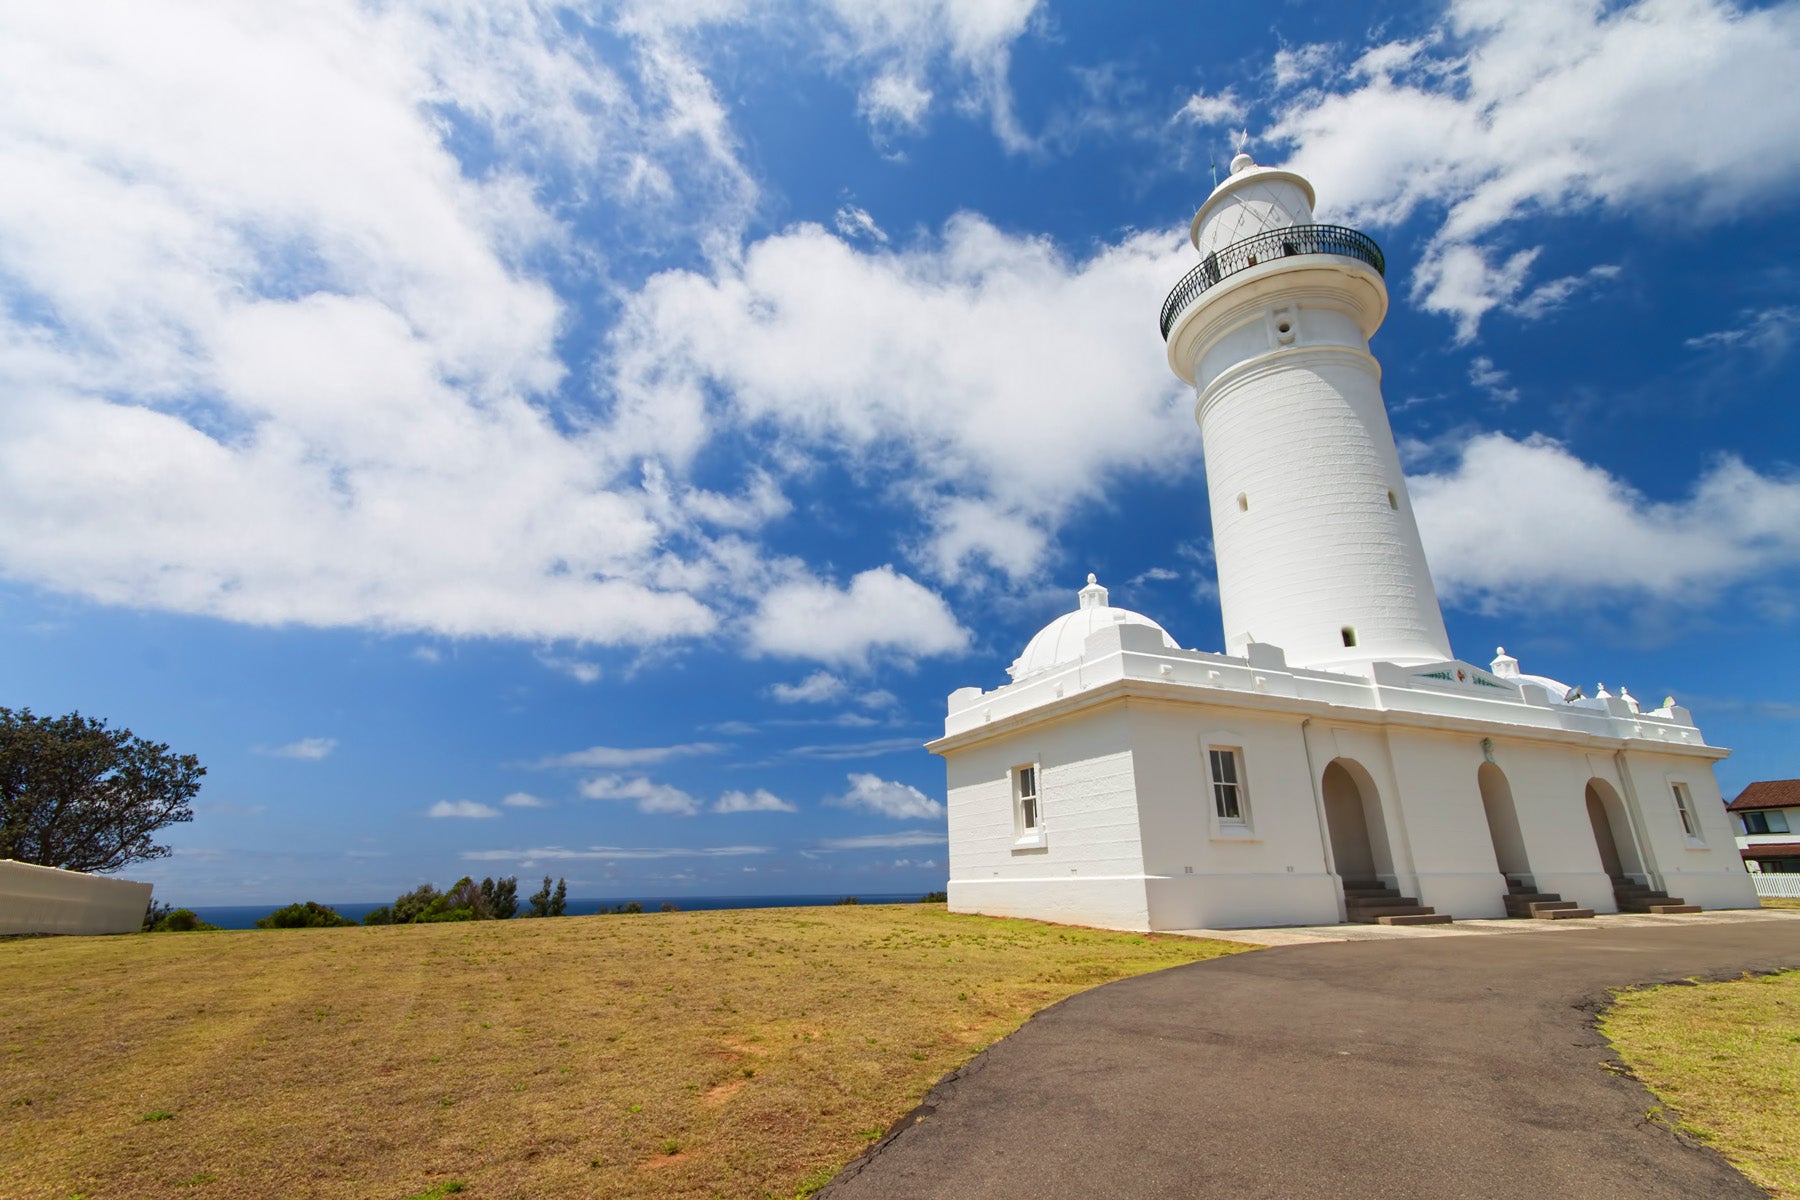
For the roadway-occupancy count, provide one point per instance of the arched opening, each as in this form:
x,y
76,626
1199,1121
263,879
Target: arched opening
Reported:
x,y
1503,822
1612,832
1353,821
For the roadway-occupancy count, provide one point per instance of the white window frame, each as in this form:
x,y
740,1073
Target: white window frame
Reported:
x,y
1685,812
1027,836
1242,827
1768,816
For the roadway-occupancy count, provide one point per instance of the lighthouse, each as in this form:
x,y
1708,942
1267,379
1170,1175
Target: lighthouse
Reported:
x,y
1313,533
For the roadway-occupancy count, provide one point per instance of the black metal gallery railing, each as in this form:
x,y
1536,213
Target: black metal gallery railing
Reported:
x,y
1277,243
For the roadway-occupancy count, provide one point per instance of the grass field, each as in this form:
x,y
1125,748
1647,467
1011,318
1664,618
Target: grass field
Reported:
x,y
1779,902
672,1054
1724,1058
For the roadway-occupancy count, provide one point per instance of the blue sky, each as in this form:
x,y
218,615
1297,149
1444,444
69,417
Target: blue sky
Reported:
x,y
519,439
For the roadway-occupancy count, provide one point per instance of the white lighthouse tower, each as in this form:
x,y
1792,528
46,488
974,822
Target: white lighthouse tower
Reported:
x,y
1318,552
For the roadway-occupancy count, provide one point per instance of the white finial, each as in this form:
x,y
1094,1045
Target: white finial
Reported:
x,y
1093,595
1629,699
1243,162
1504,664
1600,692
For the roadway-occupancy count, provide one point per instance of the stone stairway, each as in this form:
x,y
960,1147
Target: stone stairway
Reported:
x,y
1523,900
1371,902
1637,898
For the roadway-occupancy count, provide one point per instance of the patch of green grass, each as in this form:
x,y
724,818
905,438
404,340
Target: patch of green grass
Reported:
x,y
438,1191
1724,1061
196,1180
160,1114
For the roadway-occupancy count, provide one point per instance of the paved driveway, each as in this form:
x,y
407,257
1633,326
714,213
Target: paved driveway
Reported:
x,y
1407,1067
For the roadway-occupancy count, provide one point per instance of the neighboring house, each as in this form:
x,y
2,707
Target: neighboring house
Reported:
x,y
1766,818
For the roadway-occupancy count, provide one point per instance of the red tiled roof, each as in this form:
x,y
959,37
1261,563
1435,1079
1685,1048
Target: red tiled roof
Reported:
x,y
1768,793
1773,850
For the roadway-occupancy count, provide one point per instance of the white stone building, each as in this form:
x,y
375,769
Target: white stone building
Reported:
x,y
1336,761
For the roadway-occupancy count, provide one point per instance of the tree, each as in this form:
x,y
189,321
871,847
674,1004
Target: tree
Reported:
x,y
411,905
77,795
501,897
559,900
540,900
309,914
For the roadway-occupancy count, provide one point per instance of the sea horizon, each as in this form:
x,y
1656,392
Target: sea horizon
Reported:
x,y
245,916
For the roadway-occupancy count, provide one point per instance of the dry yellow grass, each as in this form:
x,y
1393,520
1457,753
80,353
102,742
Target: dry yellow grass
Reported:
x,y
1725,1060
680,1054
1779,902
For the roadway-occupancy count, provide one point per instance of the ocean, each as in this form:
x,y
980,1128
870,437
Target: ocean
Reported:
x,y
245,916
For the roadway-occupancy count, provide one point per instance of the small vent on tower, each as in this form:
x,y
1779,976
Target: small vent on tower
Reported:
x,y
1349,635
1243,502
1393,501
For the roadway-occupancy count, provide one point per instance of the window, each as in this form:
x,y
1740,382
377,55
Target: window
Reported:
x,y
1685,806
1393,502
1765,822
1028,812
1349,635
1227,783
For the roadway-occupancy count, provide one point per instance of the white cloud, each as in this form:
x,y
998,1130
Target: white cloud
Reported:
x,y
884,841
610,853
524,800
1202,109
1296,65
854,222
816,688
1524,111
1551,295
1492,380
274,354
880,611
628,756
461,808
1769,332
313,748
893,101
649,797
578,669
987,381
1526,524
848,750
761,800
888,798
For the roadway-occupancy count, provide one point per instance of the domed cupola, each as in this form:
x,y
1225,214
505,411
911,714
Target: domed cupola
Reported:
x,y
1062,640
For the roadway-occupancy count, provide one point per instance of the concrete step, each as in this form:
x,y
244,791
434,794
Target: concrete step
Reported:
x,y
1416,918
1354,903
1563,914
1672,910
1369,916
1539,907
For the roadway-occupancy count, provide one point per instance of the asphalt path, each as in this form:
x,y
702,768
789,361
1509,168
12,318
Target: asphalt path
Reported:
x,y
1433,1068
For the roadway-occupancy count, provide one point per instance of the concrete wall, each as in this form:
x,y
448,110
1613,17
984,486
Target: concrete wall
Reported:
x,y
37,899
1088,867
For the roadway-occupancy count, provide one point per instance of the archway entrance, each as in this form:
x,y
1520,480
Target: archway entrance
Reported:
x,y
1503,823
1353,820
1612,832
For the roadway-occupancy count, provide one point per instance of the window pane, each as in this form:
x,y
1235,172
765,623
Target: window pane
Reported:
x,y
1226,797
1756,823
1778,822
1224,766
1029,805
1027,781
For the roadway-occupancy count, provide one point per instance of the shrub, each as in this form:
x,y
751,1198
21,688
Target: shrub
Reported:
x,y
670,906
850,900
182,920
379,916
935,898
154,913
307,914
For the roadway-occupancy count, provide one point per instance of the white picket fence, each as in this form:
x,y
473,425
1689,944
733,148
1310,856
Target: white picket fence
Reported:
x,y
1770,884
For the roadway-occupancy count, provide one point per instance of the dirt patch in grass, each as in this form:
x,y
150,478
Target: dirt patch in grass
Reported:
x,y
520,1058
1724,1060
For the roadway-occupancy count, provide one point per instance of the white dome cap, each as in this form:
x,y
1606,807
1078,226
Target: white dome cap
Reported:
x,y
1063,639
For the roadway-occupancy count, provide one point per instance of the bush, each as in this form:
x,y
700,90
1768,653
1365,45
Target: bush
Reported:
x,y
154,913
307,914
850,900
379,916
935,898
182,920
670,906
